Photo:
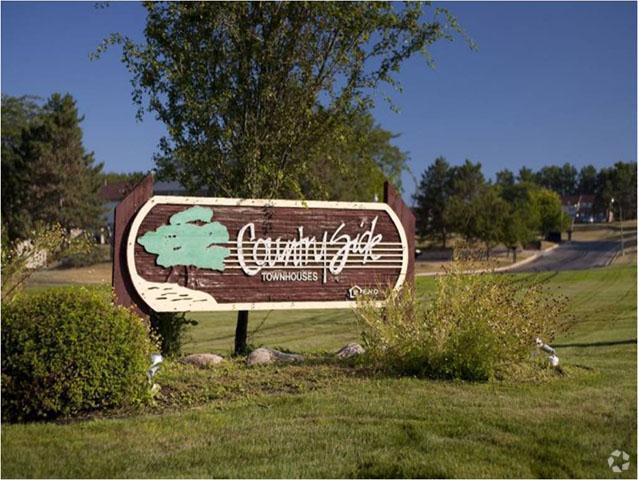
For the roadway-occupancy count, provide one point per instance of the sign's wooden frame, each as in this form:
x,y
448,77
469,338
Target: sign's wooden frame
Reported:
x,y
130,213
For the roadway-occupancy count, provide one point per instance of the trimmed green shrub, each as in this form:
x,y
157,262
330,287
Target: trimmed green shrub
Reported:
x,y
476,327
69,350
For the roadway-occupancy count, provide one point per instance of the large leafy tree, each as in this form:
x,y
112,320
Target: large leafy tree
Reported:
x,y
523,221
515,231
491,213
58,180
468,184
249,91
552,217
617,182
355,168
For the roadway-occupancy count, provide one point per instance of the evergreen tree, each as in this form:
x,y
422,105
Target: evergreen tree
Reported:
x,y
568,180
505,178
587,180
18,115
625,187
617,182
526,175
432,199
60,179
562,180
467,180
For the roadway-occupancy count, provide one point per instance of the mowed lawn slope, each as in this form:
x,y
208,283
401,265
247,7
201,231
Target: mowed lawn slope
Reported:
x,y
358,426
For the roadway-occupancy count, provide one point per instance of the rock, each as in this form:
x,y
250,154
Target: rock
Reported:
x,y
202,360
350,350
265,356
261,356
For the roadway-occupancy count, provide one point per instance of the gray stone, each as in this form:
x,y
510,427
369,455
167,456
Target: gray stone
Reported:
x,y
202,360
350,350
265,356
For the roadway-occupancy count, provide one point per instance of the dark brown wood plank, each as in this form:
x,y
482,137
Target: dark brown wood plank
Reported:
x,y
234,286
393,198
123,289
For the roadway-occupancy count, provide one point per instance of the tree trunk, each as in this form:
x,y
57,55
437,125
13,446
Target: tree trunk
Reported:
x,y
170,275
514,255
241,332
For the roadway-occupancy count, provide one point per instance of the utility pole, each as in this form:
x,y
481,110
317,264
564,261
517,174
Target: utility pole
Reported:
x,y
622,235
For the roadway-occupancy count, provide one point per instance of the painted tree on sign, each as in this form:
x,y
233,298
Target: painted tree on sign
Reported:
x,y
189,241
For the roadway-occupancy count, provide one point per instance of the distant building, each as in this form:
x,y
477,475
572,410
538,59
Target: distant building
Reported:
x,y
112,194
579,207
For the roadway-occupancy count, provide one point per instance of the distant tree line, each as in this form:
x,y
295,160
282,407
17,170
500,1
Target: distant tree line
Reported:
x,y
617,181
129,178
459,200
514,209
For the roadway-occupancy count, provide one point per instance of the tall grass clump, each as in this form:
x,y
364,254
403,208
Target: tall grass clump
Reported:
x,y
476,326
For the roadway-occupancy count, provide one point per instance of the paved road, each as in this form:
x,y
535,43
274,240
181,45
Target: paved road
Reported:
x,y
576,256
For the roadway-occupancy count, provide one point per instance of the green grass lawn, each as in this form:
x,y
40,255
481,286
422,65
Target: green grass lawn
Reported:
x,y
327,420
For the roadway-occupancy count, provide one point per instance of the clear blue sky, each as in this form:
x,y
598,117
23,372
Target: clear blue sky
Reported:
x,y
550,83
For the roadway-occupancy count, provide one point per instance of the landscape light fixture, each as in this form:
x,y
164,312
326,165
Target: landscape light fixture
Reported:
x,y
552,357
156,360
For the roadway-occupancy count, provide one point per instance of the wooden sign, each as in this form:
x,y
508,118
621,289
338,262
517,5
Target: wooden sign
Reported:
x,y
214,254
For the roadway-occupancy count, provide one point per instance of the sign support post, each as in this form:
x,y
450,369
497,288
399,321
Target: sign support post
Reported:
x,y
241,332
408,220
125,294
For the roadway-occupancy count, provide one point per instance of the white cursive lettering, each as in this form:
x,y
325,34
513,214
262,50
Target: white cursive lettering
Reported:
x,y
305,251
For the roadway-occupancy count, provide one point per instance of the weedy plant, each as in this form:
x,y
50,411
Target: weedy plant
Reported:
x,y
476,326
171,328
47,245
